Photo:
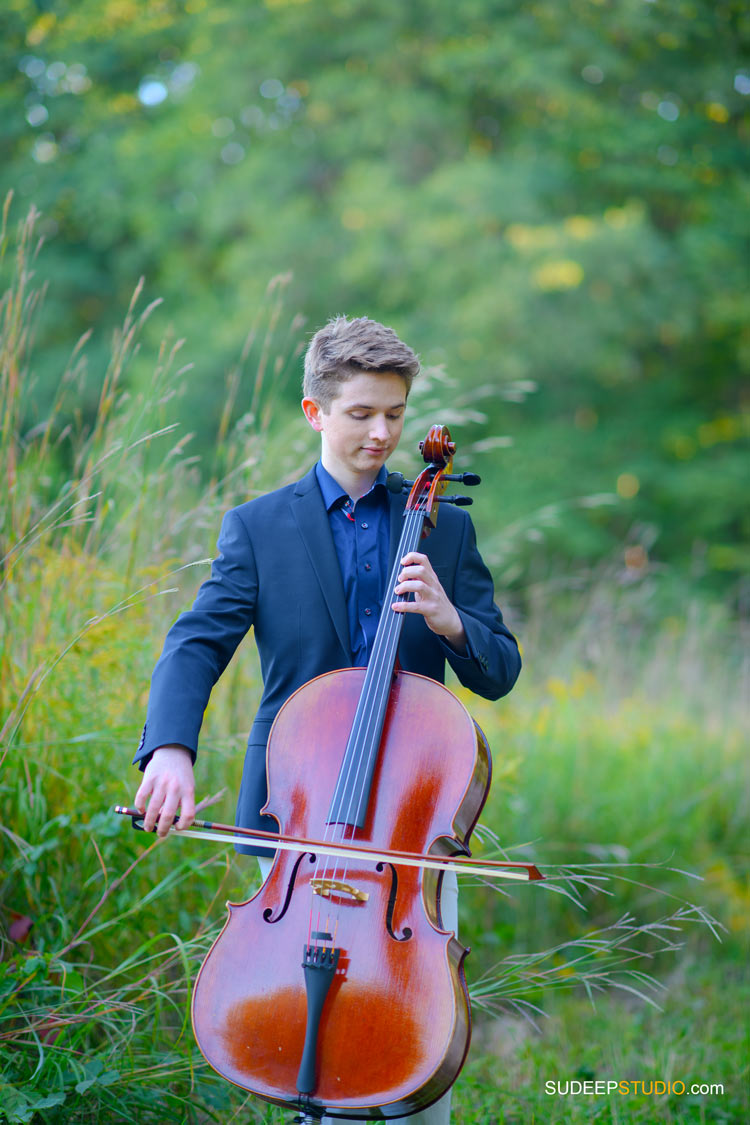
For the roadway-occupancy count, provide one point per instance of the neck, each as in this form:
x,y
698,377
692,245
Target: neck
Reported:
x,y
354,484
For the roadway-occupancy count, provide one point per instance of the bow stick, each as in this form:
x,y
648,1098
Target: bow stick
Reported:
x,y
231,834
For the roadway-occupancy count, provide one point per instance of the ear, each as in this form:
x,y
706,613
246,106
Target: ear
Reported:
x,y
312,411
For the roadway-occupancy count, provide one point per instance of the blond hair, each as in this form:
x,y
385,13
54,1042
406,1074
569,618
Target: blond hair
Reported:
x,y
344,348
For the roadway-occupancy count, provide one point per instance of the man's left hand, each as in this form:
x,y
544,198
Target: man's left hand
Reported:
x,y
430,599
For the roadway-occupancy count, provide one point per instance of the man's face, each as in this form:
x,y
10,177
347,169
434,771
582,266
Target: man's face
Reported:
x,y
363,424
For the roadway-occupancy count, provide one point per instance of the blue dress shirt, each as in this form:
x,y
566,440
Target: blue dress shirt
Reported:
x,y
360,537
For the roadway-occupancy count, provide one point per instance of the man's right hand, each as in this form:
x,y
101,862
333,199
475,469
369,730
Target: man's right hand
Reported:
x,y
168,784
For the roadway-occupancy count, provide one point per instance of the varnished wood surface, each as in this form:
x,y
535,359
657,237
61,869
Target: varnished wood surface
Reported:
x,y
396,1022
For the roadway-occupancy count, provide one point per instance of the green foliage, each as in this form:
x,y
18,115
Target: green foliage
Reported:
x,y
549,196
698,1038
617,756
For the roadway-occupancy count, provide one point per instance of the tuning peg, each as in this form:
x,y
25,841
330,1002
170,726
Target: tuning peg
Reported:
x,y
463,478
459,501
396,482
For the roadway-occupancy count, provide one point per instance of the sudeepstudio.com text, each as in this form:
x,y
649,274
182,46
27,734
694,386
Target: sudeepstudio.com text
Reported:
x,y
651,1087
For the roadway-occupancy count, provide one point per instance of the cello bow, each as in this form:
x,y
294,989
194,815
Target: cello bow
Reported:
x,y
231,834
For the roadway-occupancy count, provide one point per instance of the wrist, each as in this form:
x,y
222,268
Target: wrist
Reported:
x,y
173,753
455,635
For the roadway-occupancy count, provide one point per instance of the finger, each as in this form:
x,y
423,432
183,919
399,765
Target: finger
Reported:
x,y
166,816
433,596
418,565
419,574
173,793
411,586
415,568
412,557
143,794
153,810
409,607
187,810
407,581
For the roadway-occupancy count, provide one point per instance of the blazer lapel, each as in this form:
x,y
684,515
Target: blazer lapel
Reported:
x,y
311,516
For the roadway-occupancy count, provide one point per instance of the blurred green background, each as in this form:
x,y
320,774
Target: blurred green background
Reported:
x,y
547,200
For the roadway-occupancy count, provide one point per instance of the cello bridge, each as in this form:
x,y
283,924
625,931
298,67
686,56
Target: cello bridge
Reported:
x,y
327,887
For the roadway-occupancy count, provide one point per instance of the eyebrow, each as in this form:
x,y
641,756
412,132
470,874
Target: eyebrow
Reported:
x,y
369,406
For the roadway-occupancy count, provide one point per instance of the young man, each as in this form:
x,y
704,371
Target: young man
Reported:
x,y
306,566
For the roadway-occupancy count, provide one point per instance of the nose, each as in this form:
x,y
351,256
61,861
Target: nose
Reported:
x,y
379,428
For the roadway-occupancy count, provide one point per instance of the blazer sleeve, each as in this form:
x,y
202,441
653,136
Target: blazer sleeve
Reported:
x,y
492,662
200,644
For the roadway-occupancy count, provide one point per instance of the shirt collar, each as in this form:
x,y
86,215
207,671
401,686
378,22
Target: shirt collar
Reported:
x,y
332,492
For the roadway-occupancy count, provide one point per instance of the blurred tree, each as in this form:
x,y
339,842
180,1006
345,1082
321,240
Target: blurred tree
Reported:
x,y
548,196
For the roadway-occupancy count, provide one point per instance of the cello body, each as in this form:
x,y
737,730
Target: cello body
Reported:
x,y
395,1024
336,990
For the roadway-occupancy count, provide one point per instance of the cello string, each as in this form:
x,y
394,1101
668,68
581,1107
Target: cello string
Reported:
x,y
393,625
383,658
361,745
363,728
359,730
371,688
363,731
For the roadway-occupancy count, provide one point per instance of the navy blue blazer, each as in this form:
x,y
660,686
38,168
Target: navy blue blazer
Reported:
x,y
277,572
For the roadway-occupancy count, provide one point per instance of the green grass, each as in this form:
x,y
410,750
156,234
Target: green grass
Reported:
x,y
618,767
698,1038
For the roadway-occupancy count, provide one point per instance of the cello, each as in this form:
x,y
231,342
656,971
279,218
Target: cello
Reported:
x,y
335,989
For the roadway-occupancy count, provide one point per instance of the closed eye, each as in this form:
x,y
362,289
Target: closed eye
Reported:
x,y
363,417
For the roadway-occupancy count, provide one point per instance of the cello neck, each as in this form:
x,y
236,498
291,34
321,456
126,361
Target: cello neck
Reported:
x,y
352,792
349,805
385,646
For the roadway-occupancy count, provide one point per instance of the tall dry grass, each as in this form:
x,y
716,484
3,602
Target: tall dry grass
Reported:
x,y
606,771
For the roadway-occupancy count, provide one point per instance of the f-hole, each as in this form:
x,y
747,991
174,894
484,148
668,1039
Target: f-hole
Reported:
x,y
392,904
290,887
